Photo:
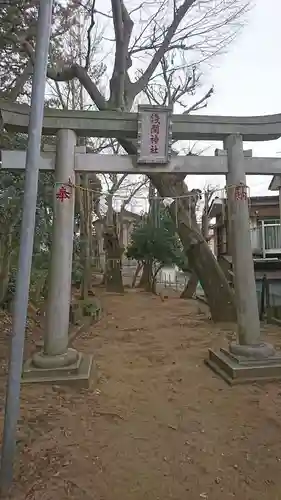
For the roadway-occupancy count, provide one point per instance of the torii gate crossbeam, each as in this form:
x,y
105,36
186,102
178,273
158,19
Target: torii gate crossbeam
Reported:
x,y
103,163
15,117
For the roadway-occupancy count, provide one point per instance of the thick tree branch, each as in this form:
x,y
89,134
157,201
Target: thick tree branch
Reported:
x,y
123,27
13,92
68,73
117,183
89,33
117,82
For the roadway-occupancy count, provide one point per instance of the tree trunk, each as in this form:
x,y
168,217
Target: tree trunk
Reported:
x,y
145,280
5,265
154,277
219,295
147,273
120,228
190,287
137,271
100,246
113,251
85,235
113,271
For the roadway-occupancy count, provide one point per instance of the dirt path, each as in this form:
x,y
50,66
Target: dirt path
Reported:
x,y
158,425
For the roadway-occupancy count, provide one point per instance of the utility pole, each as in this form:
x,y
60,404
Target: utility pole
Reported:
x,y
12,407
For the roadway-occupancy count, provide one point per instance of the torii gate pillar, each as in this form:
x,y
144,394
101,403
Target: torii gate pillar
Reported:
x,y
241,249
57,362
249,358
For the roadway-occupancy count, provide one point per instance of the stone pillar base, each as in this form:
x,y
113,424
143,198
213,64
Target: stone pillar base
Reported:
x,y
45,361
79,372
262,350
235,369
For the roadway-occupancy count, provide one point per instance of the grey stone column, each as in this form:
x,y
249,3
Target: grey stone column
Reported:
x,y
244,279
56,352
280,208
229,183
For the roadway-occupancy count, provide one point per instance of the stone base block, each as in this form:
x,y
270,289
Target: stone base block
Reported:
x,y
241,370
80,374
260,351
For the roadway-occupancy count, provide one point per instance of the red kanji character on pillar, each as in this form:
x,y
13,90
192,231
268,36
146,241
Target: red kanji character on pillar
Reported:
x,y
62,194
241,193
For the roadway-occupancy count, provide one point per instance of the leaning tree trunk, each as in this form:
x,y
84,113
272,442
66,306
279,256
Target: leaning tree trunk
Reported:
x,y
219,295
137,271
145,279
190,287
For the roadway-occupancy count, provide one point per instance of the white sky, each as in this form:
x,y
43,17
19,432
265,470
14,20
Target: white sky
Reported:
x,y
247,81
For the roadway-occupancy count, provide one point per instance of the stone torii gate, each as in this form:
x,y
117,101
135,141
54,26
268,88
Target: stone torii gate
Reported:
x,y
247,359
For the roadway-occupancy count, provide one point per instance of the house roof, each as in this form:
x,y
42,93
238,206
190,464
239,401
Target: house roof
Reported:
x,y
218,204
127,215
264,200
275,183
131,215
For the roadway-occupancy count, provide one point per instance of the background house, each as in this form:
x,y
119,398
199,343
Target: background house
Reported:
x,y
264,227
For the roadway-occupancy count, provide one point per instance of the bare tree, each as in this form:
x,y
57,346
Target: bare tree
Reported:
x,y
143,36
